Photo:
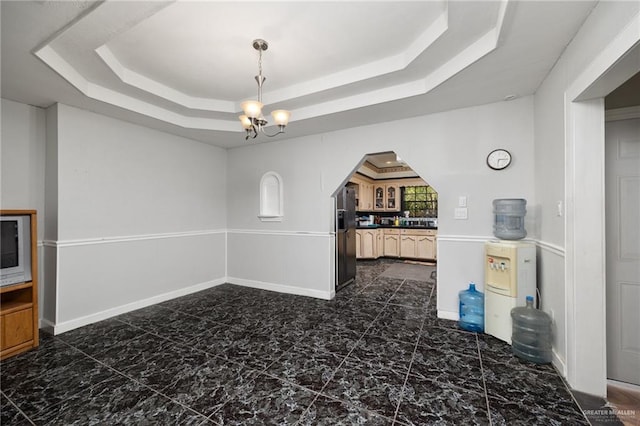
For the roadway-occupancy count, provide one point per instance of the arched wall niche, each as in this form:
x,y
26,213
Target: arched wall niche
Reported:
x,y
271,198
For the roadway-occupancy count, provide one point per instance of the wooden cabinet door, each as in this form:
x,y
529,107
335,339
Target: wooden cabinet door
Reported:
x,y
17,328
392,198
358,244
379,243
408,246
367,196
378,197
425,247
392,245
368,244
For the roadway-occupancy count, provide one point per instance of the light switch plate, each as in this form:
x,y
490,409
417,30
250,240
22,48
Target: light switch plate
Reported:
x,y
462,201
460,213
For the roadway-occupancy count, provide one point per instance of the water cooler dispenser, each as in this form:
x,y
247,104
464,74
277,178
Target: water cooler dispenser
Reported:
x,y
510,276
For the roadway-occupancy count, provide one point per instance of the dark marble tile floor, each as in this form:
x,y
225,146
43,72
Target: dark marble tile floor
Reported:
x,y
376,355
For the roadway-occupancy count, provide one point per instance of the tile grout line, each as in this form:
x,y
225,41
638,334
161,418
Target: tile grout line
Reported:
x,y
350,351
484,382
17,408
122,374
415,349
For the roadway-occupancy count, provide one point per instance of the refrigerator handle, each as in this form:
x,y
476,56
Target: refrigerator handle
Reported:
x,y
340,219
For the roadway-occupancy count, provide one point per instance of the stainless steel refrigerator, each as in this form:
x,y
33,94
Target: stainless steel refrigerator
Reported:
x,y
345,237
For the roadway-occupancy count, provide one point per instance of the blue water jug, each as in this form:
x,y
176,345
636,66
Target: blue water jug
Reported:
x,y
471,309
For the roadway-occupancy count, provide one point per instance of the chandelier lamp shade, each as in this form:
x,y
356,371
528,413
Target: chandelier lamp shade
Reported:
x,y
253,122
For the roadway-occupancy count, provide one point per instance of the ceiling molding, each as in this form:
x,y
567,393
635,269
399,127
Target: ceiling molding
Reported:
x,y
182,67
160,90
110,11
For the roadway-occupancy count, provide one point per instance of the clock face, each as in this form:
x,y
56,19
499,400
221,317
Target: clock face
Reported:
x,y
498,159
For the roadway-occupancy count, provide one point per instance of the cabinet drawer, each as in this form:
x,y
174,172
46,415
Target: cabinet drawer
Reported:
x,y
390,231
17,328
430,232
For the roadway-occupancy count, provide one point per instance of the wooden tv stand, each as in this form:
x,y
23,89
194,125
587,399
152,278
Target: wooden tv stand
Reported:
x,y
19,302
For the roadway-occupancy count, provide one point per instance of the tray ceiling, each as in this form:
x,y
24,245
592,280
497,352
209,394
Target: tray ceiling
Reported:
x,y
185,66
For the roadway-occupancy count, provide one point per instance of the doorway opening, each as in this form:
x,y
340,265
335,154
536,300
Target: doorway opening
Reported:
x,y
395,216
622,209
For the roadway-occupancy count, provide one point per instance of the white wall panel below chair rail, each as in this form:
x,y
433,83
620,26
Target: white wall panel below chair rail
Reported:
x,y
287,261
97,279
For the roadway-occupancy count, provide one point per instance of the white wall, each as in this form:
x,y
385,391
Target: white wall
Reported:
x,y
569,167
48,287
448,150
23,153
141,216
22,159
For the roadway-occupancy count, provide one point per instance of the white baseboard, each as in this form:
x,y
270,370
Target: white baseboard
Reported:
x,y
46,325
281,288
449,315
559,363
112,312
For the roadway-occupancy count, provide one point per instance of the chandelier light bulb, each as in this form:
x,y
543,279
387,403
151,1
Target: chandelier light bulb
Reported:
x,y
281,117
245,121
252,109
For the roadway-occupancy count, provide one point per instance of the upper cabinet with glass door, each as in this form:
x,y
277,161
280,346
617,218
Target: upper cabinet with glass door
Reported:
x,y
386,197
378,198
392,198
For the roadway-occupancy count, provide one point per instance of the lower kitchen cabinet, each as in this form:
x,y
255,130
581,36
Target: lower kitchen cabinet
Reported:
x,y
408,245
426,247
367,243
418,243
391,241
394,242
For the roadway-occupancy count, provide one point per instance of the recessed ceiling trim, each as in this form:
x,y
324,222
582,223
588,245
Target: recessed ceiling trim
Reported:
x,y
154,87
374,69
483,46
457,63
50,57
100,93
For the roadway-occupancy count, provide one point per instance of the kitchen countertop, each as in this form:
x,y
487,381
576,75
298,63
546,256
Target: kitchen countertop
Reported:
x,y
396,227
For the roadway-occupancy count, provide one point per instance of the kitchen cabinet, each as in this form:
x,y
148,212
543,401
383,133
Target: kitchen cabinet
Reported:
x,y
378,197
364,194
386,197
369,249
426,247
392,198
418,243
366,197
367,243
391,242
408,245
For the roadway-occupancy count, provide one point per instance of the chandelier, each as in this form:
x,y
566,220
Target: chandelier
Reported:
x,y
252,120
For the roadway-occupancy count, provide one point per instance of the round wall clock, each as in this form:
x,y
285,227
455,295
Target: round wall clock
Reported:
x,y
499,159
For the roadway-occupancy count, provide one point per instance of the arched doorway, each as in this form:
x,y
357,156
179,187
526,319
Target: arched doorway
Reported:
x,y
395,216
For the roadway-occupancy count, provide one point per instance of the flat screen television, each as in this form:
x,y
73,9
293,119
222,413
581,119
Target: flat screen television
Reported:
x,y
15,249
